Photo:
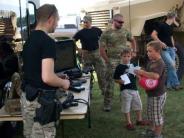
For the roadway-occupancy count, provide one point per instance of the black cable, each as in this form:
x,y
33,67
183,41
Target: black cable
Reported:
x,y
81,100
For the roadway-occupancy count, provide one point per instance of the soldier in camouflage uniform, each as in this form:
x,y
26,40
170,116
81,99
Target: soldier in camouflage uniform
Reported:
x,y
34,129
111,43
16,85
89,37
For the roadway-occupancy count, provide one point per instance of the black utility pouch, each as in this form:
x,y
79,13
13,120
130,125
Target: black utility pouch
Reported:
x,y
31,93
59,108
47,112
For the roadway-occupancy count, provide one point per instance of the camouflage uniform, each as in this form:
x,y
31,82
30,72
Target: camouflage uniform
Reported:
x,y
34,129
89,38
113,41
16,84
92,58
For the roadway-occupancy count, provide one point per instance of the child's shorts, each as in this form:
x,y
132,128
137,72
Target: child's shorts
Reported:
x,y
130,99
155,107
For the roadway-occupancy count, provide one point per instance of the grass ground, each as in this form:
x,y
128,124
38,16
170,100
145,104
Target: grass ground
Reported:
x,y
111,124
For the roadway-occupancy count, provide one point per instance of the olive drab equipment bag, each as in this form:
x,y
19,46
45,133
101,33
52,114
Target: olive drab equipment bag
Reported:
x,y
13,92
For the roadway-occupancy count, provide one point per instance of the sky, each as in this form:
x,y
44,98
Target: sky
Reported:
x,y
65,7
70,6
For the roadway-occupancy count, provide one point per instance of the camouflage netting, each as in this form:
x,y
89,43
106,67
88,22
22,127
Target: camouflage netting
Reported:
x,y
13,92
8,29
7,23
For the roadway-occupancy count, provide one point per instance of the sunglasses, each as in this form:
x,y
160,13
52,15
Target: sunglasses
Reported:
x,y
120,22
85,21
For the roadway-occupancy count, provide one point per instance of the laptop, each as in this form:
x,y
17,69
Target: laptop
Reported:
x,y
65,56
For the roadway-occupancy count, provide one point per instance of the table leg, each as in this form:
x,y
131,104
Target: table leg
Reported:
x,y
62,129
89,117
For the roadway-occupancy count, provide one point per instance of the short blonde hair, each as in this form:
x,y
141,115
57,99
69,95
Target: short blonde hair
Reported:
x,y
156,45
126,50
171,14
117,16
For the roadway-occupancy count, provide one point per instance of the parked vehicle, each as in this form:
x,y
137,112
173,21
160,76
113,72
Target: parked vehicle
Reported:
x,y
140,16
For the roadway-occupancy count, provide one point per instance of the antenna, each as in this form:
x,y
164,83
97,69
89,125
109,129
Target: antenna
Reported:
x,y
129,16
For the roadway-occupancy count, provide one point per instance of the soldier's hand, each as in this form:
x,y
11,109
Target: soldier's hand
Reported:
x,y
107,62
66,84
164,46
175,48
63,76
134,54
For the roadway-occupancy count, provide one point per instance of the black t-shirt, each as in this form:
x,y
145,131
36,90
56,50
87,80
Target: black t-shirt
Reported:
x,y
89,38
122,69
8,66
157,67
39,46
165,32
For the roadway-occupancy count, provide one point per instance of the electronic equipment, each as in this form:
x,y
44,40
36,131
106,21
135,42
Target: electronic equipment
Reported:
x,y
65,55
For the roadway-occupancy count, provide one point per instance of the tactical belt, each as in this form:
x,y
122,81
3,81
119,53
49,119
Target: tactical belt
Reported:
x,y
32,92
